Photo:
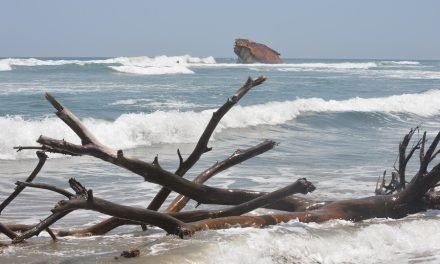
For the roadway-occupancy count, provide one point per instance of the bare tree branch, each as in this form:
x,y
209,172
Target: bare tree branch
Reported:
x,y
150,172
8,232
42,157
45,187
202,144
236,158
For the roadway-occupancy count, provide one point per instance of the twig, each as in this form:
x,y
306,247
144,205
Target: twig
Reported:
x,y
46,187
42,157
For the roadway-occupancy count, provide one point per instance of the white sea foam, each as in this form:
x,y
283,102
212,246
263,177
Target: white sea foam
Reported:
x,y
31,62
400,62
272,113
5,66
185,64
130,130
136,61
161,61
185,61
298,66
384,69
131,101
135,65
332,242
156,104
152,70
139,129
339,66
404,74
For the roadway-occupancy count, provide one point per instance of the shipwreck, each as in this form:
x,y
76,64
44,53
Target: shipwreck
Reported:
x,y
252,52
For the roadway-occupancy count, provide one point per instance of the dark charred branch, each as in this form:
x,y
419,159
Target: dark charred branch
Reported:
x,y
85,200
380,206
170,224
7,231
202,144
43,225
237,157
150,172
410,200
415,198
44,148
20,148
42,157
200,193
291,203
173,224
30,231
403,159
422,148
100,228
395,200
51,234
23,228
73,122
180,202
300,186
428,157
45,187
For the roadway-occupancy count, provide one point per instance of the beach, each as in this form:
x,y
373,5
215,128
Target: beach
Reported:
x,y
338,124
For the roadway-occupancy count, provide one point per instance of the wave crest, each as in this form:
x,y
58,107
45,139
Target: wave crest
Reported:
x,y
400,63
152,70
337,66
140,129
5,66
135,65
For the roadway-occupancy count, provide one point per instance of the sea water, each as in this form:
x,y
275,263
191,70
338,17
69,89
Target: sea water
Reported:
x,y
338,123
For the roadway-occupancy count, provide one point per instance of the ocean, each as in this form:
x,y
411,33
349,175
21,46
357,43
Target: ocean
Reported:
x,y
338,123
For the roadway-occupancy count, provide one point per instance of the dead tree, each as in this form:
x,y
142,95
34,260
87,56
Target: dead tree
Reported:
x,y
395,200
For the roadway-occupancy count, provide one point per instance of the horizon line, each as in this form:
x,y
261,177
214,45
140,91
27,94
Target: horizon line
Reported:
x,y
220,57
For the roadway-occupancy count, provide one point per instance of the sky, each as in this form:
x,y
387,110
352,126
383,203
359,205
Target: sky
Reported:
x,y
374,29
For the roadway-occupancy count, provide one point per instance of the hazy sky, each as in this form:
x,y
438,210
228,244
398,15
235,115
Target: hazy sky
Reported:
x,y
381,29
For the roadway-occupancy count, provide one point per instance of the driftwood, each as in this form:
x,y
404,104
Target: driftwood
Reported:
x,y
396,199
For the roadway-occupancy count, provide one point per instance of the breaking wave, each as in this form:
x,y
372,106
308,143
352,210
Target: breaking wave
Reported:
x,y
157,104
400,63
136,61
403,74
152,70
185,64
5,67
331,242
140,129
135,65
300,66
337,66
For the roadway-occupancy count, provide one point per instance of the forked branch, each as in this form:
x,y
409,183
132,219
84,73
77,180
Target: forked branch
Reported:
x,y
202,145
42,157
